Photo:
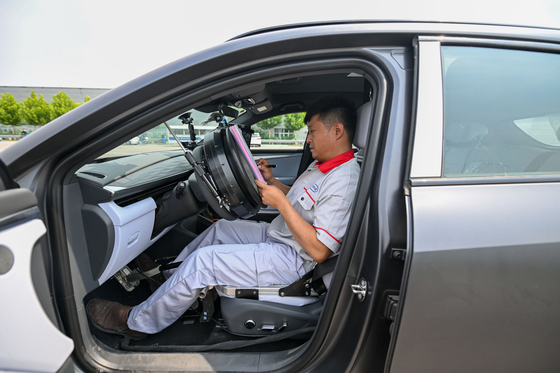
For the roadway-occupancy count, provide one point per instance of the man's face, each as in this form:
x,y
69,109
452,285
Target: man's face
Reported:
x,y
321,141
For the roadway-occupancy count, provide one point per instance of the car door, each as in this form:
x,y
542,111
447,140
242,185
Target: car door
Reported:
x,y
29,340
482,292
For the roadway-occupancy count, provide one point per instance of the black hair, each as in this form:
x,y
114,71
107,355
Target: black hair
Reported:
x,y
332,110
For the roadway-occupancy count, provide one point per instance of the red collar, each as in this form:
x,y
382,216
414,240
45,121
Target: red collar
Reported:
x,y
336,161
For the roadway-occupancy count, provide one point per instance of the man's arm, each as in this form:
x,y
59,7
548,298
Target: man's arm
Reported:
x,y
303,232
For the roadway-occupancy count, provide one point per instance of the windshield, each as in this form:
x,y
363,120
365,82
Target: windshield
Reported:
x,y
159,138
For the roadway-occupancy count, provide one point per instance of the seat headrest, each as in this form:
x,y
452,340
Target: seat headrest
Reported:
x,y
363,122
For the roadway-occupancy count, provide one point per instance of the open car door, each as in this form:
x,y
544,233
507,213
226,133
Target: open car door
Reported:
x,y
29,339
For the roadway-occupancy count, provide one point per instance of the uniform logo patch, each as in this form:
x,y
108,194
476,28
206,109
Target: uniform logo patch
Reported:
x,y
314,188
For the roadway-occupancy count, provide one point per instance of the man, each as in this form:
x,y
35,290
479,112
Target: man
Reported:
x,y
313,218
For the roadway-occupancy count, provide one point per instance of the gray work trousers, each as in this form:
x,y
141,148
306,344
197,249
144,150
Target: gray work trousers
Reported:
x,y
236,253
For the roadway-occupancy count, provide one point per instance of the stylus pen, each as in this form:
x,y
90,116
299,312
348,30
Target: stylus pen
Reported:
x,y
270,166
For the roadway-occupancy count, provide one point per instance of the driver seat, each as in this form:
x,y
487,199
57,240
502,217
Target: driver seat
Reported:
x,y
280,308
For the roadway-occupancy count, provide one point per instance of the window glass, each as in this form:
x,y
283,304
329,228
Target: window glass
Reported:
x,y
542,129
282,132
501,112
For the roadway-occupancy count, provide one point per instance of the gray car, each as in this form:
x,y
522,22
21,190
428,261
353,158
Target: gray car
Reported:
x,y
451,262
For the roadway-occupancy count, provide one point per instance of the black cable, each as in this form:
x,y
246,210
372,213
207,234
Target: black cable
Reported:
x,y
149,278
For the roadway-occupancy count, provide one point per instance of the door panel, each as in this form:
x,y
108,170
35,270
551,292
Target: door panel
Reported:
x,y
482,290
29,340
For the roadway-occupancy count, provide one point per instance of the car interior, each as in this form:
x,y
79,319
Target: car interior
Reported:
x,y
117,207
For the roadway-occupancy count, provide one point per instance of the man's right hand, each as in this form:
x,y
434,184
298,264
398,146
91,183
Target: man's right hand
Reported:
x,y
267,175
266,172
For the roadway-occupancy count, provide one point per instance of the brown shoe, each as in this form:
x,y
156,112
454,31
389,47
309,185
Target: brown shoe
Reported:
x,y
111,317
145,264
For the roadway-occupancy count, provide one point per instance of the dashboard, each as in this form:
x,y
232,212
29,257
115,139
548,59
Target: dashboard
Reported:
x,y
129,203
127,179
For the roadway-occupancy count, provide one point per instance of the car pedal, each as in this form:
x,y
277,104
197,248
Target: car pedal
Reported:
x,y
120,276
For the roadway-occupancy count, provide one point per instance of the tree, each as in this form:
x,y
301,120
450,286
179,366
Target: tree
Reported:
x,y
10,110
61,104
294,122
270,123
36,110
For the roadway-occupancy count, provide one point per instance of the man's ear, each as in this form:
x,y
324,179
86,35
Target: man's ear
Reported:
x,y
339,130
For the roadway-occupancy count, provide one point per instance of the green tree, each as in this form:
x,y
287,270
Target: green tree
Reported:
x,y
61,104
10,110
36,110
269,124
294,122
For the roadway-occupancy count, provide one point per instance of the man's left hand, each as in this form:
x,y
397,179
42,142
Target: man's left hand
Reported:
x,y
271,195
303,232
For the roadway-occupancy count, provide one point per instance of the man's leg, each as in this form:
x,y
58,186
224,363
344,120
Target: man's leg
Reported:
x,y
112,317
225,232
238,265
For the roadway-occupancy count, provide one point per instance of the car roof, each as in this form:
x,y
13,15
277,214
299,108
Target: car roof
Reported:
x,y
403,22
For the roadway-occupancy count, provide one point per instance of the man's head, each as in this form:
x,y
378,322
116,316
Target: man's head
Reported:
x,y
331,122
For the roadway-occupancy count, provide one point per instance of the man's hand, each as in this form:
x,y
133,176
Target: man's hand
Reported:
x,y
266,172
303,232
271,195
267,175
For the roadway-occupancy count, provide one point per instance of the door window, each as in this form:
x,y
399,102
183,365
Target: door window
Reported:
x,y
501,112
283,132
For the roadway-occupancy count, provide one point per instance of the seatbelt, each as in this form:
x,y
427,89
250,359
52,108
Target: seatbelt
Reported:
x,y
306,158
311,280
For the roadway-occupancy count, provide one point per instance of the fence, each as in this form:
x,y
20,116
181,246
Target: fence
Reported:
x,y
10,137
282,142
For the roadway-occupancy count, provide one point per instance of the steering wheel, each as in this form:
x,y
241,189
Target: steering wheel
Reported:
x,y
232,169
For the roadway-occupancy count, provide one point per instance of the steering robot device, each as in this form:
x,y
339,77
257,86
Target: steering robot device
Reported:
x,y
224,169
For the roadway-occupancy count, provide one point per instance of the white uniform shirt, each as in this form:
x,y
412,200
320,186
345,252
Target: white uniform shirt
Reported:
x,y
323,196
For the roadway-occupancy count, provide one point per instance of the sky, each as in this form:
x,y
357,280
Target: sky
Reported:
x,y
105,43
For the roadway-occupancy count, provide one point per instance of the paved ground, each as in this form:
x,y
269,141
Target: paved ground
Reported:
x,y
5,144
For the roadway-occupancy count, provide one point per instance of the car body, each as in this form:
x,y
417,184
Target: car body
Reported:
x,y
256,140
451,258
133,141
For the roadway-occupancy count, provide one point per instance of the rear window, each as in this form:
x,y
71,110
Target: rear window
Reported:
x,y
500,112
